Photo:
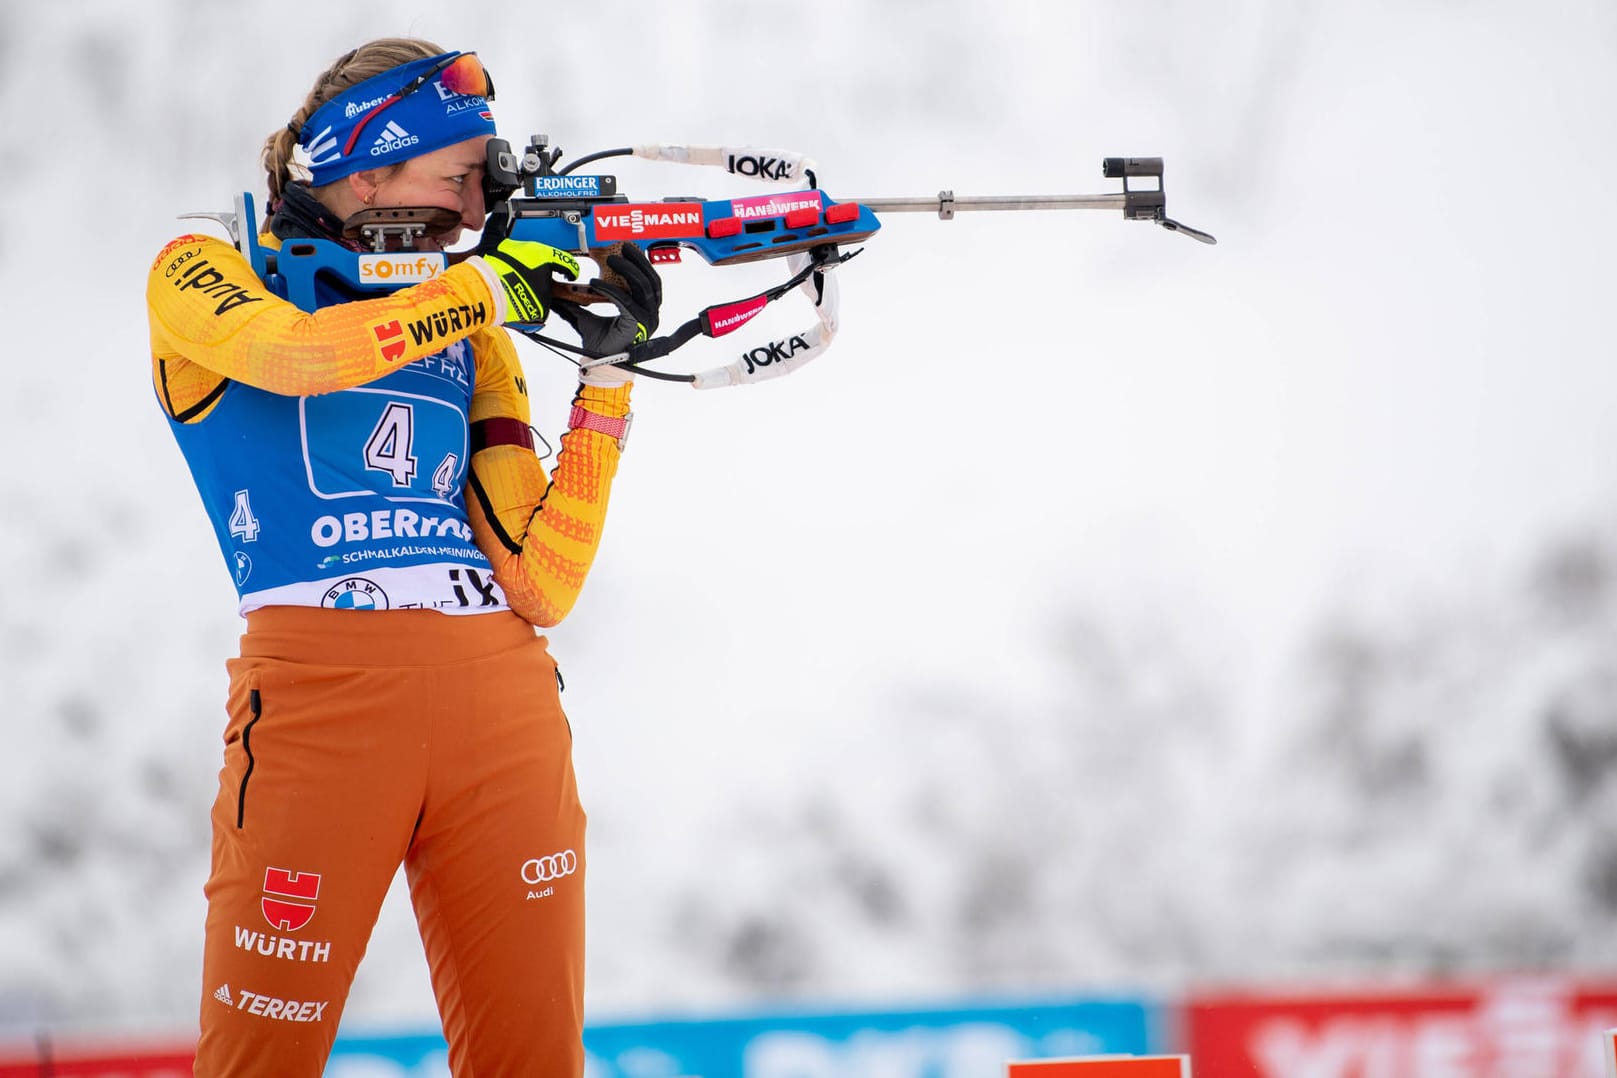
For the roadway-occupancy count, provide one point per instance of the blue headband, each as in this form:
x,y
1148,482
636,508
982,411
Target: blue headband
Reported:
x,y
391,128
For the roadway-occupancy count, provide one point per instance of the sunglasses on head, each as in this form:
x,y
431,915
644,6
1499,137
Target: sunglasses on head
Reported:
x,y
463,74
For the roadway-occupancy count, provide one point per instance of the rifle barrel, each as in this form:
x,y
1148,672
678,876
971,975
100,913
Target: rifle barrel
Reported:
x,y
947,203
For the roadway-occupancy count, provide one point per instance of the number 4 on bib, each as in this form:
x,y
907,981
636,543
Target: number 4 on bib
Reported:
x,y
243,524
443,480
388,449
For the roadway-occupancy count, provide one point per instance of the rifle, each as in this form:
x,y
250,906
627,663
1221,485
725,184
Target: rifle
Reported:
x,y
586,215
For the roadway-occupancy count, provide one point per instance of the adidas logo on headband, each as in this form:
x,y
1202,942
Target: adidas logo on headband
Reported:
x,y
386,119
392,139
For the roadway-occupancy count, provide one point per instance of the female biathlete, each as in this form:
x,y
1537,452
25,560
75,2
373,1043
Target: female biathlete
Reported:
x,y
369,473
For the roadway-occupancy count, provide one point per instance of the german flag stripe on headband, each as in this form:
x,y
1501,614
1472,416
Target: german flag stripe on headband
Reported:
x,y
404,112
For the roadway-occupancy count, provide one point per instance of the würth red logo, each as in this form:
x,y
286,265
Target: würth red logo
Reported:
x,y
390,338
284,915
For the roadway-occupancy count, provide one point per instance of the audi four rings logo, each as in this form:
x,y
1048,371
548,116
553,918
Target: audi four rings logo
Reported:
x,y
544,869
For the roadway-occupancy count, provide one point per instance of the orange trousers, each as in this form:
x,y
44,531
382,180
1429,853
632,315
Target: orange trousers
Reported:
x,y
360,740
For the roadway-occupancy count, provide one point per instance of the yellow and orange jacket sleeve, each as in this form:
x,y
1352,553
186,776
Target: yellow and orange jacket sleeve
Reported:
x,y
539,532
213,321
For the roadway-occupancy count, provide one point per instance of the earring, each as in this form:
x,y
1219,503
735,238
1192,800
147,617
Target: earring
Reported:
x,y
370,198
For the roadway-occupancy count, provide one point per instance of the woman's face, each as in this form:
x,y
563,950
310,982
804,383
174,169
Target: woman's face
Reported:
x,y
450,178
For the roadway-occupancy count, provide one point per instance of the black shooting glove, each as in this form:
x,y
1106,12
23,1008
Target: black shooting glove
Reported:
x,y
637,291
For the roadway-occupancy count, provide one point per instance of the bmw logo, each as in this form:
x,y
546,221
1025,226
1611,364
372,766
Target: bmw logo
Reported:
x,y
354,593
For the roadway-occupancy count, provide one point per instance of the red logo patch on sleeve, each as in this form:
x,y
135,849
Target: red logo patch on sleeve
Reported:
x,y
390,340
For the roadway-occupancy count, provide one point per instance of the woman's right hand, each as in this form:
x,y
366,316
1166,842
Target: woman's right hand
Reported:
x,y
527,270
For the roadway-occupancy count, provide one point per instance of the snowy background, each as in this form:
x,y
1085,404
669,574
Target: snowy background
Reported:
x,y
1105,610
